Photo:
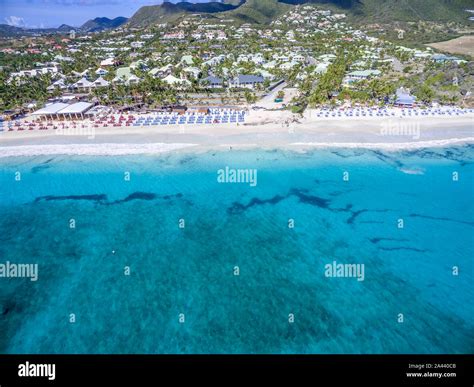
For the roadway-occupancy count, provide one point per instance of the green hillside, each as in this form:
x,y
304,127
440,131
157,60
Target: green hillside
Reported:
x,y
338,3
169,12
259,11
264,11
413,10
103,23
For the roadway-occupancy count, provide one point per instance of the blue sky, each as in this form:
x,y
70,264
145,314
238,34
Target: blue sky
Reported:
x,y
53,13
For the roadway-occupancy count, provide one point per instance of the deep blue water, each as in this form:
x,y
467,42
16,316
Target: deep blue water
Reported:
x,y
282,270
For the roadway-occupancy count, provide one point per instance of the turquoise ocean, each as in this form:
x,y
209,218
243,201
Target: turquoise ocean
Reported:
x,y
182,294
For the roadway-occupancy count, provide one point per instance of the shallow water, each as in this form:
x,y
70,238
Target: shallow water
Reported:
x,y
190,270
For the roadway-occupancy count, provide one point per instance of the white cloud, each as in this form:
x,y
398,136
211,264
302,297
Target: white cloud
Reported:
x,y
15,21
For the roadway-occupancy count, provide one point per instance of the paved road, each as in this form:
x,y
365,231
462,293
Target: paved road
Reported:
x,y
268,101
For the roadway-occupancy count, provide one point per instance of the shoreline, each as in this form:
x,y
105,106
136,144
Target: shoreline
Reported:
x,y
387,133
114,149
106,149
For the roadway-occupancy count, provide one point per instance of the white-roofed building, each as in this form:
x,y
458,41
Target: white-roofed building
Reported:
x,y
57,85
76,110
360,75
193,71
322,68
288,65
100,82
363,74
133,80
34,73
101,72
125,76
176,82
162,71
107,62
63,110
49,111
82,84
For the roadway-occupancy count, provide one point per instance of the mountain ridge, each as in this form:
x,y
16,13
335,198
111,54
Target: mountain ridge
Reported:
x,y
169,12
263,11
94,25
103,23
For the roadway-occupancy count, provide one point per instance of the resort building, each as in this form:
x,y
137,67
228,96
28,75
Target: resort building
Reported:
x,y
174,36
194,72
214,61
34,73
100,82
212,82
442,58
187,60
176,82
57,85
162,71
107,62
60,110
101,72
83,84
404,99
360,75
321,68
246,81
124,75
298,58
139,65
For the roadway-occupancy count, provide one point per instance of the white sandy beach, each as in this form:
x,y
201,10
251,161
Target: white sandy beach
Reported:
x,y
263,129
